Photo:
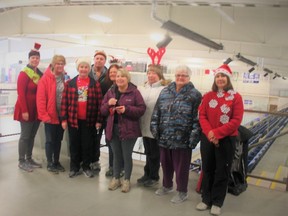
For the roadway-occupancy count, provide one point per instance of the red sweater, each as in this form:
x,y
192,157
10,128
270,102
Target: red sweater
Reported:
x,y
26,101
222,113
46,98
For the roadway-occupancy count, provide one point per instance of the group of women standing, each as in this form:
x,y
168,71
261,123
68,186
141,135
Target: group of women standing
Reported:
x,y
172,117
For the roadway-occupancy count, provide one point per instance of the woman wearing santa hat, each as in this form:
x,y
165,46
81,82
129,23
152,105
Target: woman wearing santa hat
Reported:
x,y
220,115
25,109
80,112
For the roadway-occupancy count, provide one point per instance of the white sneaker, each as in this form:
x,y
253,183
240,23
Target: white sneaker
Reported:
x,y
163,190
202,206
215,210
179,197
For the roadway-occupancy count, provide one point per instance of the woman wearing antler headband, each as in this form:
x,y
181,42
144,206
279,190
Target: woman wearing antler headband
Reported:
x,y
25,109
175,125
150,92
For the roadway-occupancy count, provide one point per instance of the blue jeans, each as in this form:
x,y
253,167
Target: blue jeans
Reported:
x,y
54,136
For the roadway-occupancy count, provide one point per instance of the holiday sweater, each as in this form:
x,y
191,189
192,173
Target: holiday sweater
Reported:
x,y
221,112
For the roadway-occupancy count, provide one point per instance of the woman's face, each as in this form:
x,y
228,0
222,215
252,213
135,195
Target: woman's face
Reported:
x,y
59,68
152,77
34,61
221,81
83,70
113,74
181,78
121,81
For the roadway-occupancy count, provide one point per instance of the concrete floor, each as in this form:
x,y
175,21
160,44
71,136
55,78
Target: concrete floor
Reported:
x,y
44,194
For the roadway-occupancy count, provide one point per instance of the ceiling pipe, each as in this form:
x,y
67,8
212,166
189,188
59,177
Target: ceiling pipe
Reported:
x,y
153,12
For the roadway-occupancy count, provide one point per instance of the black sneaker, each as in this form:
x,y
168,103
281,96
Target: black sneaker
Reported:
x,y
142,179
88,173
150,183
33,163
59,167
73,173
52,168
109,172
25,166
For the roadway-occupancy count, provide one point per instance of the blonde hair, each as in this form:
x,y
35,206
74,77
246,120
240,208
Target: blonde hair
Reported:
x,y
56,59
124,73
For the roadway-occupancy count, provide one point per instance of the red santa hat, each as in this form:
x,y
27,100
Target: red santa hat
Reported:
x,y
225,69
35,50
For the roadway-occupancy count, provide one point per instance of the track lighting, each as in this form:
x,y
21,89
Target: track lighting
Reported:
x,y
268,70
245,60
227,61
276,75
266,74
251,69
167,39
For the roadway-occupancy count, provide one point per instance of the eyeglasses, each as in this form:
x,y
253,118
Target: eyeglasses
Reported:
x,y
181,75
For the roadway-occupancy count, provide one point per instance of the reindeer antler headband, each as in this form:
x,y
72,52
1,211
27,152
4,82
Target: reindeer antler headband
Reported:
x,y
156,56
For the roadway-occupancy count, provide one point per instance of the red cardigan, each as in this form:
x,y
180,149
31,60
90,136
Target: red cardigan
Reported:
x,y
46,98
26,101
221,113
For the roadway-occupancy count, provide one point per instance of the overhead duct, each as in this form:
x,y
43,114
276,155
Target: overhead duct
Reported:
x,y
187,33
180,30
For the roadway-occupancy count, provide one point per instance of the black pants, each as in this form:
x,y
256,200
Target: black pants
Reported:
x,y
54,136
151,168
216,166
81,145
97,135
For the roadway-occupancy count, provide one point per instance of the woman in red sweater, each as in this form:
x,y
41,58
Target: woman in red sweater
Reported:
x,y
25,109
220,115
49,95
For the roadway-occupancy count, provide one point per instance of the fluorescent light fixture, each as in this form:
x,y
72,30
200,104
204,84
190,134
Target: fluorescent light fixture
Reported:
x,y
39,17
100,18
245,60
180,30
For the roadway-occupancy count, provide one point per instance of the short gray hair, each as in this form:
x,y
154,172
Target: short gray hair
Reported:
x,y
184,68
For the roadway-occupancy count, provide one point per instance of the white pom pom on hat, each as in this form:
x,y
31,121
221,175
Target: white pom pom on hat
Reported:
x,y
225,69
85,60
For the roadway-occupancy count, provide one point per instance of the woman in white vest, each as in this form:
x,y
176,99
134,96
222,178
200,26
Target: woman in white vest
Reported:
x,y
150,92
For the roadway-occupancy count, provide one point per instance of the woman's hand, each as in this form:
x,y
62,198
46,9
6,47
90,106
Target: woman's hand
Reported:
x,y
25,116
120,109
213,139
112,102
64,125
